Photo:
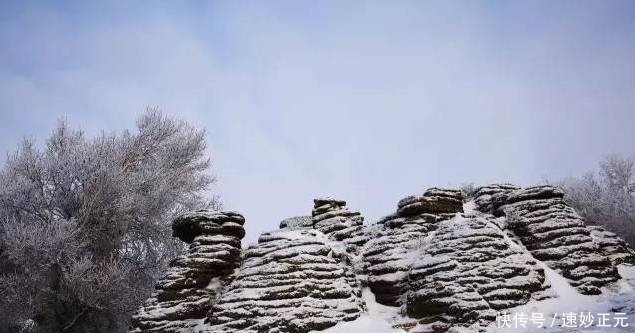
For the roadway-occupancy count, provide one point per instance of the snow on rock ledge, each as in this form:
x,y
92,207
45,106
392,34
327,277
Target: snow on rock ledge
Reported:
x,y
434,201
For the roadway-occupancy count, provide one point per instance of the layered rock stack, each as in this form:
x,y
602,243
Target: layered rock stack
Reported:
x,y
554,233
466,270
483,195
442,265
388,256
183,296
334,219
433,201
292,281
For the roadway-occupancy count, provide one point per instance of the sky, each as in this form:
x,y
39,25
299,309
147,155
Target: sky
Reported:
x,y
363,101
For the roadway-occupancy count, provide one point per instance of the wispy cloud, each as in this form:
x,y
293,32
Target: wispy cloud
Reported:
x,y
365,100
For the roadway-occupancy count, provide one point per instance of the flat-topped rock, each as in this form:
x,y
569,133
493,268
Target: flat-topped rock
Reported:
x,y
187,226
443,192
433,201
535,193
318,202
483,195
297,222
494,188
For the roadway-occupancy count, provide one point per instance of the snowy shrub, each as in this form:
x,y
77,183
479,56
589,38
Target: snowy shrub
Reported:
x,y
606,197
85,222
468,190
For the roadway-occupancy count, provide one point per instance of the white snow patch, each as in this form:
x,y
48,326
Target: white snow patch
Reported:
x,y
377,320
569,300
469,207
375,309
364,324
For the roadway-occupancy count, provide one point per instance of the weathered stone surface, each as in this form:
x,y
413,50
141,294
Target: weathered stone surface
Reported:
x,y
433,201
467,269
182,296
387,257
554,233
612,246
449,267
296,222
291,281
534,193
483,195
338,222
186,227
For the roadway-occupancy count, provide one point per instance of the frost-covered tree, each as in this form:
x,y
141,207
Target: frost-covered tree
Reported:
x,y
85,222
606,197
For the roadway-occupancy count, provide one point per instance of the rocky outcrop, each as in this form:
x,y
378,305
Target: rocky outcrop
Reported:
x,y
554,233
297,222
291,281
612,246
466,270
183,296
441,260
437,262
483,195
433,201
338,222
388,256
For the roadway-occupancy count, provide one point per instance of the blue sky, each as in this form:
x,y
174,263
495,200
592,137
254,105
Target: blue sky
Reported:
x,y
367,101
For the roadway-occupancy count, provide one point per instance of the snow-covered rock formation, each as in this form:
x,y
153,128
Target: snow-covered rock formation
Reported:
x,y
291,281
483,195
555,234
389,254
334,219
441,262
612,245
183,297
467,270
